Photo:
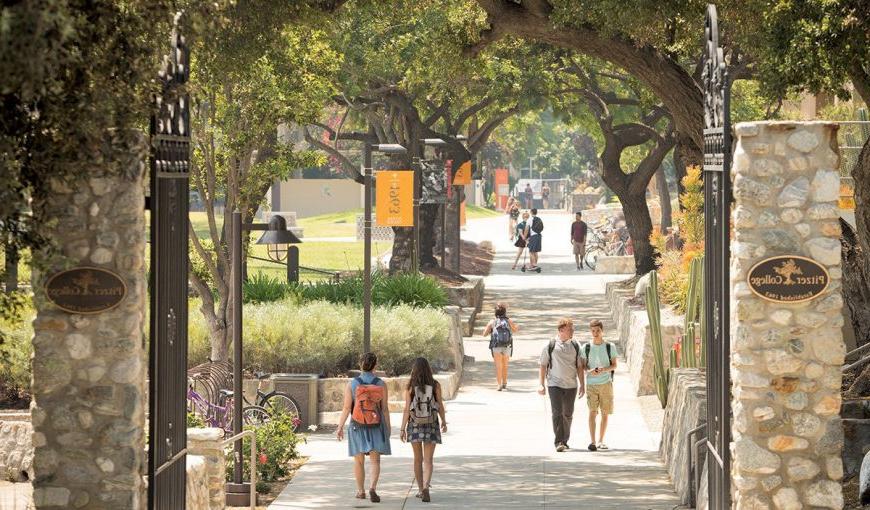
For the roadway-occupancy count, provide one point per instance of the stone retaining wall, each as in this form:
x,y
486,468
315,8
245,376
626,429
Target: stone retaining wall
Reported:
x,y
635,342
467,295
687,409
330,392
16,451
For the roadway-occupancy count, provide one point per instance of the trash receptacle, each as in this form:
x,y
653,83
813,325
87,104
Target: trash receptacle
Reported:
x,y
302,388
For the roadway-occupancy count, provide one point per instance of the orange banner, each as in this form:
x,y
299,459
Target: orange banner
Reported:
x,y
394,196
462,213
463,175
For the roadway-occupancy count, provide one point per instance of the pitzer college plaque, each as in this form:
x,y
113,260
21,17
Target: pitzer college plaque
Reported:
x,y
85,290
788,279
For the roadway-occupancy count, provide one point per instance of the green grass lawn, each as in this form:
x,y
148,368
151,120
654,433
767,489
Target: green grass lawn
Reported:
x,y
330,256
341,224
475,212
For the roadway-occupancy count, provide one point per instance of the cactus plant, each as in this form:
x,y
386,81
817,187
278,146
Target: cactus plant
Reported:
x,y
693,309
653,310
702,361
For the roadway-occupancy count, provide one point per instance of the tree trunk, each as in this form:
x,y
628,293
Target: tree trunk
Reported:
x,y
403,243
679,169
664,197
12,258
856,286
861,177
220,342
639,223
429,216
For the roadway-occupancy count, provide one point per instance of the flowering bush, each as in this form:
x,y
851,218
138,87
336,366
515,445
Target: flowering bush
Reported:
x,y
277,446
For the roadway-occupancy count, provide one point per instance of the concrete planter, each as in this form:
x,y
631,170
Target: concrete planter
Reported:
x,y
615,265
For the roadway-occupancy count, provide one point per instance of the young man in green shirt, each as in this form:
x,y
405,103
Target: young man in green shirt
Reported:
x,y
599,363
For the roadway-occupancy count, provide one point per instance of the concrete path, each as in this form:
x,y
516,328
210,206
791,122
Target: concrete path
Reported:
x,y
498,453
15,496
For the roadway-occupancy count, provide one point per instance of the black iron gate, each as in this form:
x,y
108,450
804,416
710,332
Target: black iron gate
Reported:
x,y
169,205
717,210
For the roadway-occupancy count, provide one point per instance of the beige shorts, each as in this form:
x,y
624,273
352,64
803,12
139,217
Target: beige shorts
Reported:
x,y
600,397
579,248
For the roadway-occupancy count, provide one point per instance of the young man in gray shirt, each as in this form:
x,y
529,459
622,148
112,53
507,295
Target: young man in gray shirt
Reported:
x,y
561,374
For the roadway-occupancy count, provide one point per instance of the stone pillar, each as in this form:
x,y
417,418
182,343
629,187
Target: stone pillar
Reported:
x,y
89,370
206,443
786,357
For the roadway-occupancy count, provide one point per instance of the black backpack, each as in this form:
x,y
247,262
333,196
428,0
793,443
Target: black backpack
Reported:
x,y
553,346
537,225
588,347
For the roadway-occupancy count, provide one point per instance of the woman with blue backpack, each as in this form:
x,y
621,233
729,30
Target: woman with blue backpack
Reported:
x,y
501,343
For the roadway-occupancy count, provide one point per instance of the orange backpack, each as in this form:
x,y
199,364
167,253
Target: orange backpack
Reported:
x,y
367,403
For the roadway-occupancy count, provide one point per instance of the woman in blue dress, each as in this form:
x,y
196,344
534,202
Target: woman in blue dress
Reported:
x,y
366,440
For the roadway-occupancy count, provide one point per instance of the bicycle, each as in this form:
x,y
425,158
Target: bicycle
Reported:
x,y
220,416
604,242
274,402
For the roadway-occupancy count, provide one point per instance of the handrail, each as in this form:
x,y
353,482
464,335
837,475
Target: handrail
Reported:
x,y
253,461
172,460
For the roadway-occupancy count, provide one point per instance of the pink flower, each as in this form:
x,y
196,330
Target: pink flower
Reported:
x,y
262,458
296,422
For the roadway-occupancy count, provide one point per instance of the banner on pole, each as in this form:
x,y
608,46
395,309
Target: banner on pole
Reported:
x,y
434,182
462,214
463,175
394,194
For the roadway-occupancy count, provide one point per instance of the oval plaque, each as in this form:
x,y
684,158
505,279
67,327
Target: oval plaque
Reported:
x,y
85,290
788,279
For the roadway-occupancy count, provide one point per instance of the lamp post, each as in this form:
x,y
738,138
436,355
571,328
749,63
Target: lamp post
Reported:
x,y
386,148
458,234
277,238
276,235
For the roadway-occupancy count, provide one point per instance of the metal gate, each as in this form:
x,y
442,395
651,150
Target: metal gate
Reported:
x,y
169,205
717,210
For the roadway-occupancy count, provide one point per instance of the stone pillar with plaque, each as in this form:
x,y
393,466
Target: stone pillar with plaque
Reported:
x,y
787,346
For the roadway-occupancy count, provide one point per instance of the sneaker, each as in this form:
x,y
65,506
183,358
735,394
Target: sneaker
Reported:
x,y
561,448
602,446
499,388
504,386
592,447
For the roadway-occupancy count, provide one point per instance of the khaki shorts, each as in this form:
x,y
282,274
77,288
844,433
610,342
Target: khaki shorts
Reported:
x,y
579,248
600,397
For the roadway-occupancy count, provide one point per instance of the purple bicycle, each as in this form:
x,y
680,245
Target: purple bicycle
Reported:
x,y
216,415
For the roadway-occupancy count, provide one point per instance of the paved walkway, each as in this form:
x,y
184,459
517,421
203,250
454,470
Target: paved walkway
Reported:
x,y
498,453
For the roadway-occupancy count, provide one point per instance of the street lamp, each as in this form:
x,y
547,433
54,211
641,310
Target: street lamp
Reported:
x,y
386,148
277,237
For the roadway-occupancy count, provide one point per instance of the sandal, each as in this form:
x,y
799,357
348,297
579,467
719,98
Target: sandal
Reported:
x,y
602,446
360,495
374,496
426,498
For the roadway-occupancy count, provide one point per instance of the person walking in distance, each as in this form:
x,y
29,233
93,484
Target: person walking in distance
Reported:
x,y
366,401
513,211
529,196
536,228
599,363
545,196
561,369
500,331
522,234
578,239
424,404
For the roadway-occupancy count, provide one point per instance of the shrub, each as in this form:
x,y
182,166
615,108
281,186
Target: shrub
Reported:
x,y
410,289
673,279
194,421
349,290
262,288
691,219
277,446
326,338
16,334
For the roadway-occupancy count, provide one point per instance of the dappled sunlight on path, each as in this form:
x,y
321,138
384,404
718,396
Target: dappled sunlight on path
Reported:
x,y
498,452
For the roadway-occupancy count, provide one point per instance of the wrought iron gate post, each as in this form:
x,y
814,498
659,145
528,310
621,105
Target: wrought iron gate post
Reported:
x,y
169,205
717,212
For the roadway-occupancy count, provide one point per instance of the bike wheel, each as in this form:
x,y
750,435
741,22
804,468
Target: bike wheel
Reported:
x,y
280,403
255,415
591,257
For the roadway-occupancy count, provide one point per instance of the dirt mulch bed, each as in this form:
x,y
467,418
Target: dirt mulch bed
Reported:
x,y
475,259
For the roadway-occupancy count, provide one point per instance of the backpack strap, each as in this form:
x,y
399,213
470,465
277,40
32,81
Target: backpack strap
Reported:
x,y
550,348
577,352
